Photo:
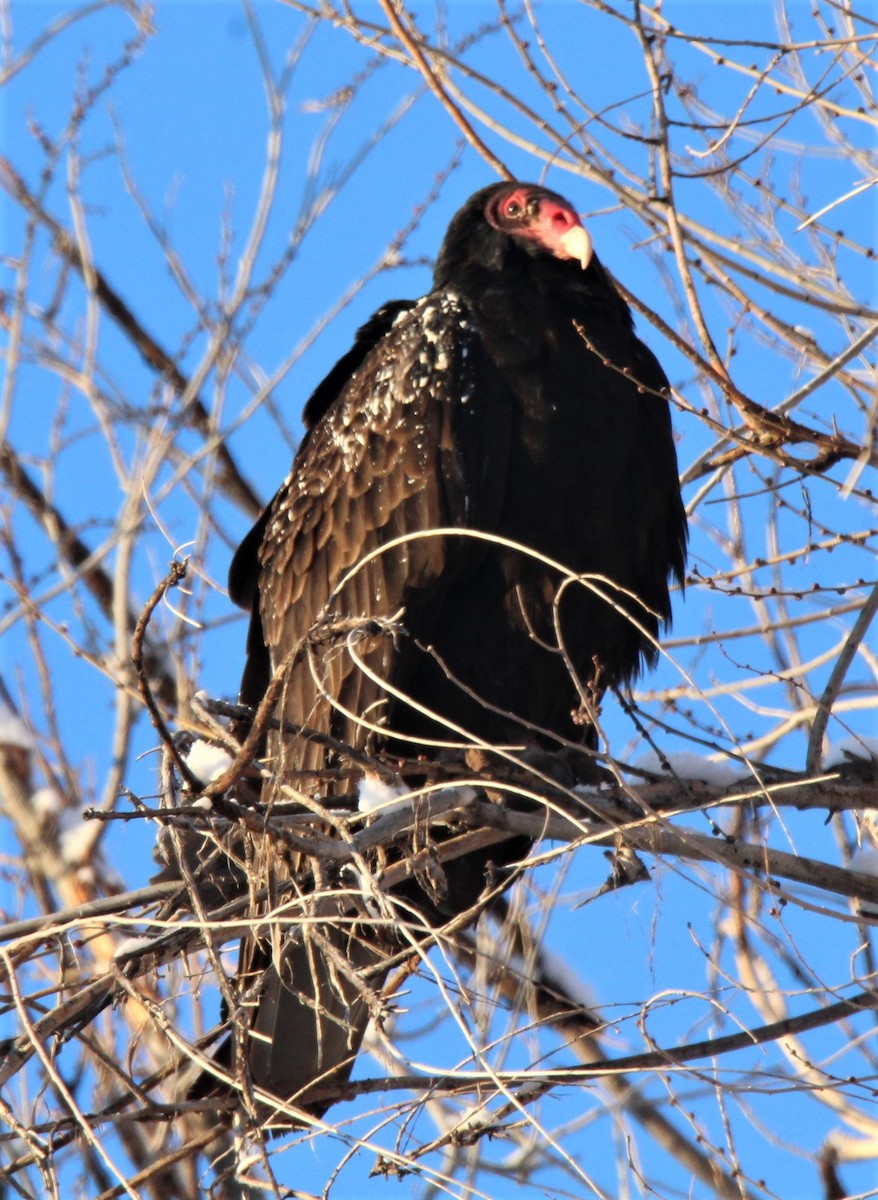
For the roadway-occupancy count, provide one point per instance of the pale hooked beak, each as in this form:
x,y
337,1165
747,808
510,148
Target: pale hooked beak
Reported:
x,y
575,243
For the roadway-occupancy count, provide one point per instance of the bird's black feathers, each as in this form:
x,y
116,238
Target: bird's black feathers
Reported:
x,y
514,401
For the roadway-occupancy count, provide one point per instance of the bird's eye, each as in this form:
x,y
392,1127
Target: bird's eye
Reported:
x,y
514,208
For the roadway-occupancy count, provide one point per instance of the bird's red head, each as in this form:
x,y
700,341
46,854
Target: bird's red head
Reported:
x,y
524,210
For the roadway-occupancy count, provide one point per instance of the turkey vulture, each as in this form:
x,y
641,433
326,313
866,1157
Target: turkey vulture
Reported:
x,y
513,400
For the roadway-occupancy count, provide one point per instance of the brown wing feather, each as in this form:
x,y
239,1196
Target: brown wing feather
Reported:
x,y
369,471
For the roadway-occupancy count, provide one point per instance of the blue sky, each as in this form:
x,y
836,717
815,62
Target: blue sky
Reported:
x,y
191,115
